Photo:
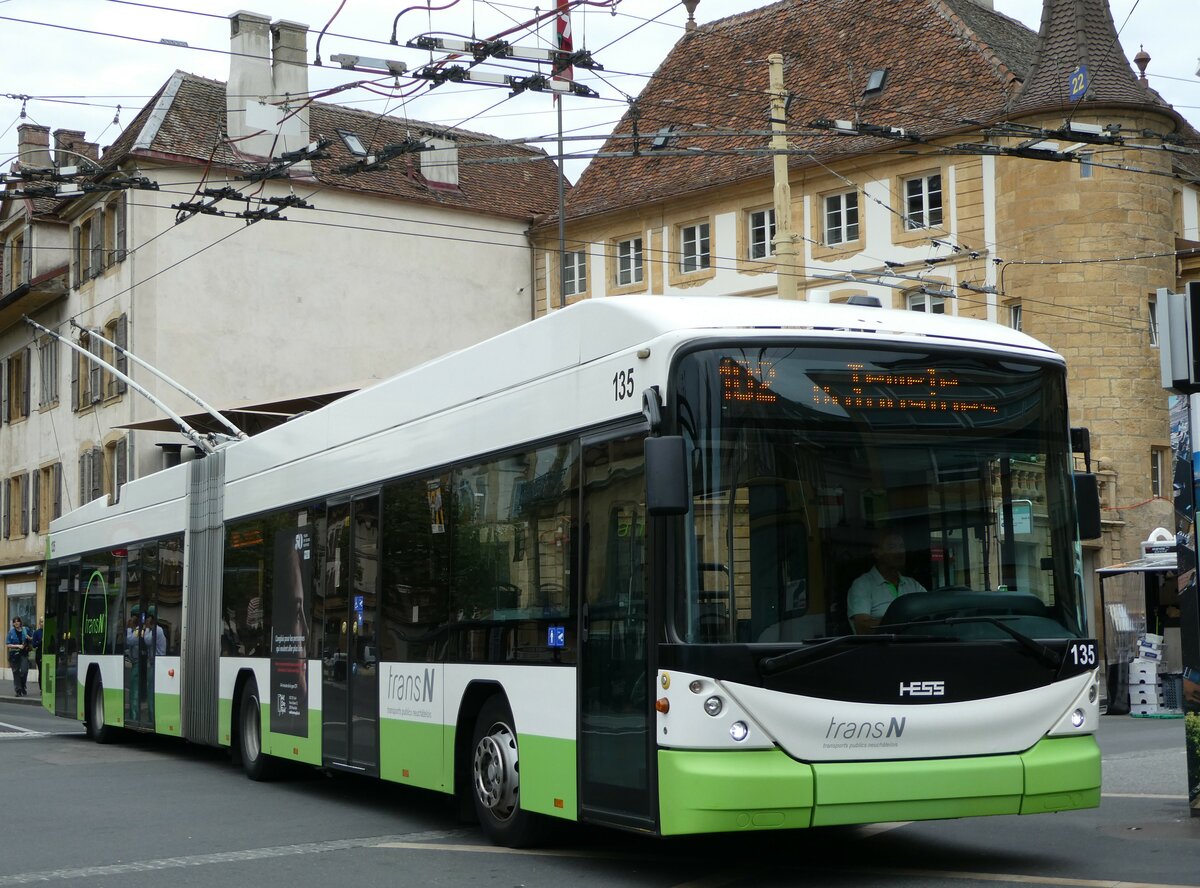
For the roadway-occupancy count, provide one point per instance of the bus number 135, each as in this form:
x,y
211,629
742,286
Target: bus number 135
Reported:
x,y
1083,653
623,384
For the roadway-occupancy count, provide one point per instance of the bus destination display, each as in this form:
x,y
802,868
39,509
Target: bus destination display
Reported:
x,y
854,388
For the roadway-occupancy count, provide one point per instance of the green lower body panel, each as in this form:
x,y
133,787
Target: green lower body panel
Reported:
x,y
1062,774
166,714
415,753
548,776
731,791
289,746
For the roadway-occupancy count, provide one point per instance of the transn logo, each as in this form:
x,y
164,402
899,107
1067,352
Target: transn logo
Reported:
x,y
922,689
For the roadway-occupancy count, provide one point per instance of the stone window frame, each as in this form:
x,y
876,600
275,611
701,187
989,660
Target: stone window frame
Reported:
x,y
637,260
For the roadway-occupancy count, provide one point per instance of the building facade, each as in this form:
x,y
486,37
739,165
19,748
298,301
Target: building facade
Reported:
x,y
938,162
250,278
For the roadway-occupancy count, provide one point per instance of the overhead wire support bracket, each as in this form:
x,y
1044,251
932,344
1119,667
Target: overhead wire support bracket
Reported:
x,y
205,406
277,168
186,430
481,50
377,160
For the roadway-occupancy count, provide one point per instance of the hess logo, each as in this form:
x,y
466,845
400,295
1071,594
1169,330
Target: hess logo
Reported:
x,y
922,689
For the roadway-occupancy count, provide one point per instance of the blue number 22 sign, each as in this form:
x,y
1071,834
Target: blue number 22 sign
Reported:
x,y
1078,83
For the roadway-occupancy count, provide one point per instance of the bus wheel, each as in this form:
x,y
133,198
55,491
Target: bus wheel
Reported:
x,y
496,779
257,764
97,728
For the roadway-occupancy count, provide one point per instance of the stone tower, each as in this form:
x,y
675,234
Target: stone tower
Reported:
x,y
1087,244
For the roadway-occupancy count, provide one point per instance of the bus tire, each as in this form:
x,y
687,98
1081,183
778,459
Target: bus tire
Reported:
x,y
98,727
256,763
496,779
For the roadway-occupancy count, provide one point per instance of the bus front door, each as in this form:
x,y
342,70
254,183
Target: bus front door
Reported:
x,y
350,679
614,688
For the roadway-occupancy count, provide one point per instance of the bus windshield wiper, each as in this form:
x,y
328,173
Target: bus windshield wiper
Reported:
x,y
1044,655
791,659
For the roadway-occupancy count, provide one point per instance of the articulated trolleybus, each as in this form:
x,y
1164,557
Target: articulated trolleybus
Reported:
x,y
597,568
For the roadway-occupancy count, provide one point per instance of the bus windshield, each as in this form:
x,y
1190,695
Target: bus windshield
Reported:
x,y
851,489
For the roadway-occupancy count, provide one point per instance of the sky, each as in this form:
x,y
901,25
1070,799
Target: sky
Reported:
x,y
77,80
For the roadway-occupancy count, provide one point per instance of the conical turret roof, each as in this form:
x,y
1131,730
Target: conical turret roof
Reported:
x,y
1079,36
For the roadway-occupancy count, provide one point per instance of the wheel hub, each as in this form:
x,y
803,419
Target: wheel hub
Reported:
x,y
497,779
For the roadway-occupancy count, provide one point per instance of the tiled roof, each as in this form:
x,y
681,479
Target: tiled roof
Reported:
x,y
522,186
1074,33
949,63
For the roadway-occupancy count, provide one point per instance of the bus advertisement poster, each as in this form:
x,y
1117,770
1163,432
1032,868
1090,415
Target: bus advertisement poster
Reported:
x,y
291,602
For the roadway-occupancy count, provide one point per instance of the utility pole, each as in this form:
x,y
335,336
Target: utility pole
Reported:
x,y
785,241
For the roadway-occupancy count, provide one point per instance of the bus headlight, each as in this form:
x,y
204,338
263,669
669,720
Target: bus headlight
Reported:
x,y
1092,691
1078,718
713,706
738,731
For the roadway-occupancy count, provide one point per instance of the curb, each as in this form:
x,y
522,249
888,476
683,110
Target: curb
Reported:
x,y
21,701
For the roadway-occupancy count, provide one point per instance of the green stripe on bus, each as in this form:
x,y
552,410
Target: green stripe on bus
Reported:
x,y
288,746
415,753
731,791
224,721
548,775
703,792
870,792
114,707
167,718
1062,774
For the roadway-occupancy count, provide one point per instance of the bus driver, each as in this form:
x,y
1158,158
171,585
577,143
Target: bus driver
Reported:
x,y
871,593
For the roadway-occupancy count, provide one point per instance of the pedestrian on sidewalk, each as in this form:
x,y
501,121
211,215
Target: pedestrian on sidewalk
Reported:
x,y
19,643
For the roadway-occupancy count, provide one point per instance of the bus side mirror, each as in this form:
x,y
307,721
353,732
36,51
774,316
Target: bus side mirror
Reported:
x,y
1087,504
667,476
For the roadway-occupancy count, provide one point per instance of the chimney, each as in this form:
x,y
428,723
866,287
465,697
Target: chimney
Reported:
x,y
267,63
249,78
33,146
289,70
439,163
70,148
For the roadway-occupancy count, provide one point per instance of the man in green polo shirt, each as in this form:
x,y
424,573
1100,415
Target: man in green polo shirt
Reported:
x,y
871,593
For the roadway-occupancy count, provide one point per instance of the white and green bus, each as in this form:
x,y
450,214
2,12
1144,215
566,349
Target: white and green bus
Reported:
x,y
596,569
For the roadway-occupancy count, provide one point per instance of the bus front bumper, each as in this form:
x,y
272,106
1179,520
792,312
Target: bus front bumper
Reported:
x,y
702,791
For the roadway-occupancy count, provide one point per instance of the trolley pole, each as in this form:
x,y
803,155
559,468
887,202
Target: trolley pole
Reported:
x,y
785,241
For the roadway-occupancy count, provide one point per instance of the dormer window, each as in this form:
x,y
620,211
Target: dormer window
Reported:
x,y
353,143
875,82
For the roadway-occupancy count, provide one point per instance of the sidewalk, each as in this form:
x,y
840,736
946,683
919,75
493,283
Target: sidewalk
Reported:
x,y
31,682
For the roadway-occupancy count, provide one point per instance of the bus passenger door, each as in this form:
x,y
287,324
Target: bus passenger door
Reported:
x,y
350,679
66,638
614,688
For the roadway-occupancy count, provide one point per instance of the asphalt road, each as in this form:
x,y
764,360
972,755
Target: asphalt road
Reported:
x,y
150,811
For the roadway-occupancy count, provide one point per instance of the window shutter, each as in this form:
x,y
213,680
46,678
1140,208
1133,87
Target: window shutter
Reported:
x,y
97,472
27,256
5,372
122,467
96,260
122,360
56,490
95,371
35,501
27,371
7,507
75,356
24,485
121,210
76,256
